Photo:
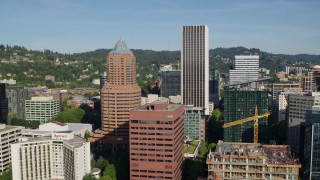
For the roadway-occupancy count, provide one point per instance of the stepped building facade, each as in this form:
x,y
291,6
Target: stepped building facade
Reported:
x,y
119,95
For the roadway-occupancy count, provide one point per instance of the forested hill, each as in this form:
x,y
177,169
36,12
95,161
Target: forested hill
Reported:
x,y
29,67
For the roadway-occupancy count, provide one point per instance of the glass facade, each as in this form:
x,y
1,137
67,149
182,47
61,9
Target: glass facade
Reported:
x,y
239,105
3,104
16,99
214,89
312,145
192,123
170,83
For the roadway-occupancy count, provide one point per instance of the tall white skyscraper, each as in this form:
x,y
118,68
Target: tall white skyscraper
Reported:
x,y
246,69
195,66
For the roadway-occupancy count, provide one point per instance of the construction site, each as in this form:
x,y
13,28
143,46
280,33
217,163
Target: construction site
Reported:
x,y
252,161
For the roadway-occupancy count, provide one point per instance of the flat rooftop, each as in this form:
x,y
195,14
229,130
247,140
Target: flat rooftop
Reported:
x,y
4,127
158,106
75,142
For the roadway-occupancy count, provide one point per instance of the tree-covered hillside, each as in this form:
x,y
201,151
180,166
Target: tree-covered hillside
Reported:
x,y
29,67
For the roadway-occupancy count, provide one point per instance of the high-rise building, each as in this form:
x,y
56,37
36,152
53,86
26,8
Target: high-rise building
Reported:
x,y
119,95
170,81
61,156
156,141
41,109
8,135
3,104
277,89
297,106
214,87
240,104
195,66
16,101
246,69
233,160
194,123
311,165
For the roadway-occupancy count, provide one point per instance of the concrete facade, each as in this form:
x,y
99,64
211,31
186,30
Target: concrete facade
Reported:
x,y
8,135
61,156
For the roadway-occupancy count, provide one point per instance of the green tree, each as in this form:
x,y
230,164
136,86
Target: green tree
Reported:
x,y
6,175
110,170
102,163
71,115
211,146
203,149
107,177
216,114
88,177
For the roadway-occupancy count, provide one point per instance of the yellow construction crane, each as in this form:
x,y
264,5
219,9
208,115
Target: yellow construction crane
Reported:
x,y
254,118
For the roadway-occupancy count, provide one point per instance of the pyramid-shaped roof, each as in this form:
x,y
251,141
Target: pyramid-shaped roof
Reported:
x,y
120,49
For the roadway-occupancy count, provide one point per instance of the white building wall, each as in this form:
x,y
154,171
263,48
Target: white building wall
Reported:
x,y
246,69
44,158
8,135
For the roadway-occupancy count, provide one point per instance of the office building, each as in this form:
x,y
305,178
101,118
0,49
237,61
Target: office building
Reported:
x,y
240,104
282,103
277,89
194,123
8,135
246,69
41,109
233,160
170,81
16,101
119,96
297,106
214,87
156,141
3,104
195,66
60,156
311,165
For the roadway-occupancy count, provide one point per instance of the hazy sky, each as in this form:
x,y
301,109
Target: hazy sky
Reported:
x,y
277,26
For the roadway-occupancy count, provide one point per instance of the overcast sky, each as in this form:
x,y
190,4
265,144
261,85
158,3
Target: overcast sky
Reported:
x,y
68,26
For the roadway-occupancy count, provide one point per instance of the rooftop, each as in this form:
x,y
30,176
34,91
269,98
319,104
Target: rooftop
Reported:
x,y
158,106
75,142
120,49
4,127
274,154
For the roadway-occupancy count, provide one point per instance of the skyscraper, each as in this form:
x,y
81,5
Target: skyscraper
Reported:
x,y
297,106
240,104
214,87
156,141
119,95
312,144
170,81
16,96
3,104
195,66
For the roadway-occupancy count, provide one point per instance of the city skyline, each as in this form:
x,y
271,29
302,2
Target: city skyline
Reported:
x,y
286,27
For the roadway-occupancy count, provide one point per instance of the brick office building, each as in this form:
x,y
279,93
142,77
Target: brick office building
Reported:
x,y
156,141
